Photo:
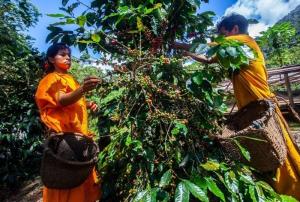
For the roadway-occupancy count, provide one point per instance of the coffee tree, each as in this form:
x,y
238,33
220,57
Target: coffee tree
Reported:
x,y
20,129
277,42
161,118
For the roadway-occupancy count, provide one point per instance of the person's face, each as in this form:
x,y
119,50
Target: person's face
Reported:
x,y
234,31
62,60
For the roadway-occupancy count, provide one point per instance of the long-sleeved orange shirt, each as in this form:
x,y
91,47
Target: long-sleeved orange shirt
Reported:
x,y
251,84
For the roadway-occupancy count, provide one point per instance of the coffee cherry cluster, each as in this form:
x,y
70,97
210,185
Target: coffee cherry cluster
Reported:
x,y
148,34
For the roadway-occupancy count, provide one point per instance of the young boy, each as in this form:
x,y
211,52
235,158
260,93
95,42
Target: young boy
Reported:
x,y
251,84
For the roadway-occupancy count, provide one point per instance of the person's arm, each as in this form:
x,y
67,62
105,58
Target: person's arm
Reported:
x,y
201,58
89,84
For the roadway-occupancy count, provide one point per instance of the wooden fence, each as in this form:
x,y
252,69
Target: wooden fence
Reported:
x,y
284,76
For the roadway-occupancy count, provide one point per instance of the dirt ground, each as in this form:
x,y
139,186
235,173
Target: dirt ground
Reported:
x,y
31,191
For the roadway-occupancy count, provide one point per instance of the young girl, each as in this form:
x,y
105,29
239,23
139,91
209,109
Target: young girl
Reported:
x,y
63,108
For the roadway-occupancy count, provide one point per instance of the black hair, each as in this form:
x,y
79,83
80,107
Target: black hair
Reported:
x,y
228,22
52,52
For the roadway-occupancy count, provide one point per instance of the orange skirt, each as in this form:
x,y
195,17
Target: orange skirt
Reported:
x,y
88,191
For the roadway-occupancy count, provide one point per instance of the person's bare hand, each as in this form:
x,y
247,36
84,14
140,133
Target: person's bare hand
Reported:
x,y
92,106
90,83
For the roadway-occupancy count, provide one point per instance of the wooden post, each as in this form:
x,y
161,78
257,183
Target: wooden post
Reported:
x,y
289,90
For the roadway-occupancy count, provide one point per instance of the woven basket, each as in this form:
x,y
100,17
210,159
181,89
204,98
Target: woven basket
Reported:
x,y
68,159
257,129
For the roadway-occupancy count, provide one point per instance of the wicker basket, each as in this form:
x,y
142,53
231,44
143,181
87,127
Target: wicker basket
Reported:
x,y
257,129
68,159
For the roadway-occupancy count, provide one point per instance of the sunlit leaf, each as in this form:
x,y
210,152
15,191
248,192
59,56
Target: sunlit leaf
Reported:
x,y
182,194
81,20
244,151
57,15
196,191
212,186
139,24
286,198
165,179
96,38
211,166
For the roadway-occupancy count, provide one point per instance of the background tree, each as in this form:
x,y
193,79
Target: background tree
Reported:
x,y
277,43
20,129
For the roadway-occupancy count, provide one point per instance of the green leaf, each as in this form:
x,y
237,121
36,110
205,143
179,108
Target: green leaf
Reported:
x,y
179,128
222,53
252,193
153,194
158,5
163,196
231,182
198,78
140,196
211,165
81,20
184,161
212,51
128,140
212,186
139,24
246,178
196,191
165,179
57,15
148,11
147,197
70,21
244,151
96,38
232,51
182,194
260,193
64,2
248,52
159,75
124,9
285,198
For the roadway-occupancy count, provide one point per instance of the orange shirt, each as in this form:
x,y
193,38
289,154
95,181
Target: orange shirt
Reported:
x,y
71,118
251,82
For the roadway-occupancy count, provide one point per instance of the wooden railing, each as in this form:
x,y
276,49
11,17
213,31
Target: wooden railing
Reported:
x,y
286,76
279,76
